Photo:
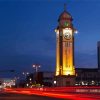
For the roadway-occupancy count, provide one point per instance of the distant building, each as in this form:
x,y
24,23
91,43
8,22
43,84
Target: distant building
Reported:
x,y
7,82
88,76
42,78
98,53
84,77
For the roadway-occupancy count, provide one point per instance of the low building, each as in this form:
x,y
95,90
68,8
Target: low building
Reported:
x,y
42,78
84,76
87,76
7,82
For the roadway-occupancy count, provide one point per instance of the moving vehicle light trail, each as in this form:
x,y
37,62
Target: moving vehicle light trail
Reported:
x,y
64,93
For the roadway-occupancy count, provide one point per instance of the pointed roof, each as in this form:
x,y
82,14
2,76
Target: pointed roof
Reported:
x,y
65,15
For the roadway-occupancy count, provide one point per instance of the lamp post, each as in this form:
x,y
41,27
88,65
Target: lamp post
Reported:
x,y
36,66
25,74
16,81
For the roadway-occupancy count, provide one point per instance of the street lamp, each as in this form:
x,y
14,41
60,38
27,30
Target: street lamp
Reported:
x,y
25,74
16,80
36,66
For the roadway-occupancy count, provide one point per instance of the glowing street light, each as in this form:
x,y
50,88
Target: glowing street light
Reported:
x,y
25,74
36,66
27,84
30,79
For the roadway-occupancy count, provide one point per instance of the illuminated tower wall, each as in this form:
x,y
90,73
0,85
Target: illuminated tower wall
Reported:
x,y
65,46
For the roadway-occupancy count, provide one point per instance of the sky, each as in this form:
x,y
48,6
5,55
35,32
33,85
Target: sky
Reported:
x,y
27,34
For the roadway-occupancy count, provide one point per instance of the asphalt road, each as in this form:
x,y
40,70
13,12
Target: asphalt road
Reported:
x,y
13,96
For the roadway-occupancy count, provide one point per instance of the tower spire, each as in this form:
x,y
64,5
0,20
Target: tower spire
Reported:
x,y
65,7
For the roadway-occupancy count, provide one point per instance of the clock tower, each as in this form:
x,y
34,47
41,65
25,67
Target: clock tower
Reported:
x,y
65,68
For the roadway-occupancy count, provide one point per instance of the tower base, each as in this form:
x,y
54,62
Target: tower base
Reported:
x,y
62,81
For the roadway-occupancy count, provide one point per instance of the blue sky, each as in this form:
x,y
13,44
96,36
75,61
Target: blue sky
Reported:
x,y
27,32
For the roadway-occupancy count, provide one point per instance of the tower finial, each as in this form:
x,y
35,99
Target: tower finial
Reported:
x,y
64,7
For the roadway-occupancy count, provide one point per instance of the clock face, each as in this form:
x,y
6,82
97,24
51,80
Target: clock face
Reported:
x,y
67,35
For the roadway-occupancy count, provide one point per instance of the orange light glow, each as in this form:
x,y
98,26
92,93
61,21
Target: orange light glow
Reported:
x,y
67,67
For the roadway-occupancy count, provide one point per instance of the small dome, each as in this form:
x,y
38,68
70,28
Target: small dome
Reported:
x,y
65,15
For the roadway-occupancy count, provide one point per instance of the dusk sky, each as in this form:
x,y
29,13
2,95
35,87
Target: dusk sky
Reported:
x,y
27,33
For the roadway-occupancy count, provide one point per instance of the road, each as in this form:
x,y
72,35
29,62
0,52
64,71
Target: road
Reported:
x,y
61,93
13,96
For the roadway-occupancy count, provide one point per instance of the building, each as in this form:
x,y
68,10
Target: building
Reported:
x,y
98,53
84,77
41,78
88,76
7,82
65,68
